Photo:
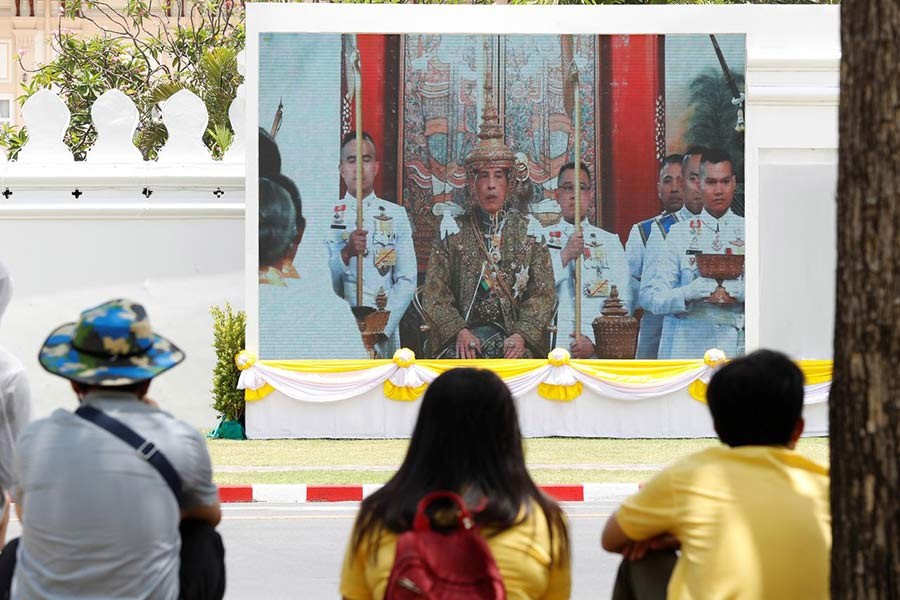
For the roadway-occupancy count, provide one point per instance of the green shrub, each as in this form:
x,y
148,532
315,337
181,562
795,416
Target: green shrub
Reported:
x,y
228,340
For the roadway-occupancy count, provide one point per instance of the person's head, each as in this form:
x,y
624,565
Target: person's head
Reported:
x,y
291,188
370,164
491,187
489,164
717,182
757,400
6,289
112,347
269,155
565,191
466,439
668,185
277,224
690,179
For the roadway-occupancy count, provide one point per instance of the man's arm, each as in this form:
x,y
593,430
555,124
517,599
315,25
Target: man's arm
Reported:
x,y
539,301
405,273
613,538
211,514
201,495
438,301
661,290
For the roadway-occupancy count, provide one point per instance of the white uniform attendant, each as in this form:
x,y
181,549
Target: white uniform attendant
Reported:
x,y
638,251
672,285
668,321
389,262
603,265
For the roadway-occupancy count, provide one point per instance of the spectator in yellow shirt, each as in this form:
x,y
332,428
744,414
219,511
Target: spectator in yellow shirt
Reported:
x,y
466,440
751,518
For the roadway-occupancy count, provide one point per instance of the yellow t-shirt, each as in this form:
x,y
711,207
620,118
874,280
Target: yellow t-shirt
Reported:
x,y
522,553
754,523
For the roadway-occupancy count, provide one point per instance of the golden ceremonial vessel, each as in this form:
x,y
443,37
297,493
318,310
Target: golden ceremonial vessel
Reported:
x,y
720,267
372,321
615,331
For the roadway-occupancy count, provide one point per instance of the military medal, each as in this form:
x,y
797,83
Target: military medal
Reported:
x,y
383,236
595,260
717,243
337,220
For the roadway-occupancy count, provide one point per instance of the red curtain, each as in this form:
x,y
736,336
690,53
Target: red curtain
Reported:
x,y
632,121
379,59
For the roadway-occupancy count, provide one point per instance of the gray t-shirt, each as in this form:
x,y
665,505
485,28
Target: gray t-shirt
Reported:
x,y
15,412
100,522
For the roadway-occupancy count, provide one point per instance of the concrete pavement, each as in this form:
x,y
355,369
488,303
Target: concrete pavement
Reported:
x,y
290,551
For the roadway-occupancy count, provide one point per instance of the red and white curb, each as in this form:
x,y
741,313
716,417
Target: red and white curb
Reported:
x,y
300,492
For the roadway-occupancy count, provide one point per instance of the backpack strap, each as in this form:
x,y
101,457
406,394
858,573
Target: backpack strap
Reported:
x,y
146,450
421,522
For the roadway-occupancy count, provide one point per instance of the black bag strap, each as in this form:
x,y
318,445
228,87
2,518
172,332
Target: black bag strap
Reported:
x,y
146,450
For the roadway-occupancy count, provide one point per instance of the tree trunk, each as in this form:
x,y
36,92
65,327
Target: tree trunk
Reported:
x,y
865,394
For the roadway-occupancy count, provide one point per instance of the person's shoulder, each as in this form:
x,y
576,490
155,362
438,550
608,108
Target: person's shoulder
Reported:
x,y
58,418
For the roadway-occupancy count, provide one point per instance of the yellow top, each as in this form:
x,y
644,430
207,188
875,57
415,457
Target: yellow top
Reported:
x,y
754,523
522,553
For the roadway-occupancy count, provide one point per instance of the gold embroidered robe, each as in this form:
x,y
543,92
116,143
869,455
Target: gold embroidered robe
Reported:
x,y
454,276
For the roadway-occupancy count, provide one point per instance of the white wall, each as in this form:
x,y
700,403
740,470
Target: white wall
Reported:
x,y
177,257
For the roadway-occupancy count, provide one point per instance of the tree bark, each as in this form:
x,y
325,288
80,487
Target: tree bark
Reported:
x,y
865,394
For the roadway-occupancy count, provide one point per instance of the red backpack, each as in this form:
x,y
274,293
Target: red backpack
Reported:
x,y
457,565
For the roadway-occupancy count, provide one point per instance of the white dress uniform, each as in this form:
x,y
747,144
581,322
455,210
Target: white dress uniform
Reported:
x,y
603,265
668,321
637,250
696,325
389,261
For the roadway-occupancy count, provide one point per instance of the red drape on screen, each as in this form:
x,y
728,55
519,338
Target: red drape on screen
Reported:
x,y
379,58
632,116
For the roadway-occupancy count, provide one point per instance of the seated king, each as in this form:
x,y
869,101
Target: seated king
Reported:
x,y
489,288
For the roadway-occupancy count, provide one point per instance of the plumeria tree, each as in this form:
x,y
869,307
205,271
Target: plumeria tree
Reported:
x,y
149,50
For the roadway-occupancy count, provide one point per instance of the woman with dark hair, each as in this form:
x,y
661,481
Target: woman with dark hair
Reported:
x,y
466,440
297,319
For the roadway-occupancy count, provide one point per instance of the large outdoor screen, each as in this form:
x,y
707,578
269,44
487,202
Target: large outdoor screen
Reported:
x,y
507,195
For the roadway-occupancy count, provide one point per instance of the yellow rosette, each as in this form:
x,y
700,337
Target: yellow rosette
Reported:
x,y
404,384
255,388
712,358
561,384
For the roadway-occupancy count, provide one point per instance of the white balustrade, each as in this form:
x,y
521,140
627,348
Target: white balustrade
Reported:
x,y
45,180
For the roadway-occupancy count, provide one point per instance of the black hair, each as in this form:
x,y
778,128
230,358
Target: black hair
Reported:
x,y
672,159
715,156
466,439
269,155
571,166
137,387
291,188
277,222
691,151
350,136
756,400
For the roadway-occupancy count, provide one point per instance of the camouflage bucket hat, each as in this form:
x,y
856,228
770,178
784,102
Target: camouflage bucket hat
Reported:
x,y
111,344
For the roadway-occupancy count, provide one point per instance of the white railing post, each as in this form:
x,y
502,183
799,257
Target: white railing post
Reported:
x,y
115,118
46,119
237,113
185,117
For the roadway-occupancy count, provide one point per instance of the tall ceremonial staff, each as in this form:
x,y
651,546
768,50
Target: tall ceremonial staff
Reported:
x,y
357,98
572,100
